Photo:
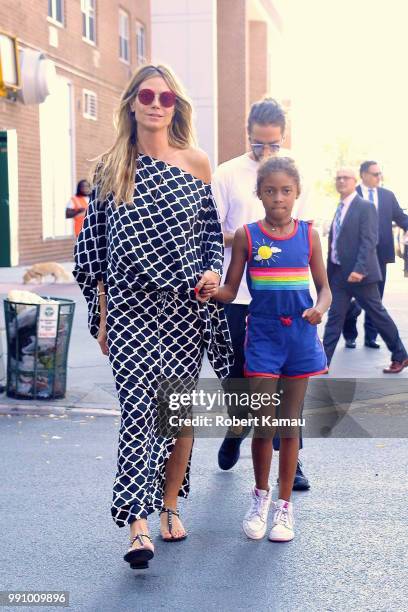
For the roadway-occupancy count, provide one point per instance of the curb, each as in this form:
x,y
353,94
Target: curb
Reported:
x,y
37,410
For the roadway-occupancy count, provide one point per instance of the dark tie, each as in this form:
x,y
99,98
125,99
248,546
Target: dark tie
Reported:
x,y
336,230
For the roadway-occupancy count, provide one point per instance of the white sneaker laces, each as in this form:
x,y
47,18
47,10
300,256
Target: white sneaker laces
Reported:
x,y
282,518
259,507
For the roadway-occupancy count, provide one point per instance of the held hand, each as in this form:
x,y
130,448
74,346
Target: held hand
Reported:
x,y
207,292
102,338
355,277
207,286
313,316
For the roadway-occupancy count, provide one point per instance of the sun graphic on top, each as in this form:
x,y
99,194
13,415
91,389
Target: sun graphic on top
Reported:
x,y
265,252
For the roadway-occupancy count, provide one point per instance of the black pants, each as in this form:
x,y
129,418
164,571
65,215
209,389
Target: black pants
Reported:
x,y
368,296
350,324
236,382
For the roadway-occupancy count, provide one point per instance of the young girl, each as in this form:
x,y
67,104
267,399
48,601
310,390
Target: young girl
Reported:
x,y
282,346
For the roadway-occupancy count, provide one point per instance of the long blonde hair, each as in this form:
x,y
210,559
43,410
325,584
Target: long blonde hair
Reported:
x,y
116,168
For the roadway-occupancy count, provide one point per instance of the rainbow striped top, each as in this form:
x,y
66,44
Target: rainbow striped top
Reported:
x,y
278,270
277,279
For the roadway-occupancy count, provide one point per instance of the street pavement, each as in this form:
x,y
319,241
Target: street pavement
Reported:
x,y
59,460
349,552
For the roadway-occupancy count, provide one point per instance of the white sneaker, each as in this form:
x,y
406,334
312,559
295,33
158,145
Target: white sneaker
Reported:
x,y
283,521
255,521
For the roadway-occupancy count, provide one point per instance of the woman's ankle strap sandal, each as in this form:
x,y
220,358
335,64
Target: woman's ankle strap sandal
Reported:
x,y
139,537
170,514
139,557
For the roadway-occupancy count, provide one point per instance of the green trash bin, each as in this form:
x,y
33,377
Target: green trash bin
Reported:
x,y
37,347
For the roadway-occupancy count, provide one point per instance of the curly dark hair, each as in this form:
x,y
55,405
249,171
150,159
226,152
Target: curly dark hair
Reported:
x,y
277,164
265,112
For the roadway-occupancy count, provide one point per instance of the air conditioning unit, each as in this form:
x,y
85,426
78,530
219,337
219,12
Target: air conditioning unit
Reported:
x,y
38,75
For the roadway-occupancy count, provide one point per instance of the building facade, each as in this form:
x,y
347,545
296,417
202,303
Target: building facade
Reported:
x,y
95,46
222,51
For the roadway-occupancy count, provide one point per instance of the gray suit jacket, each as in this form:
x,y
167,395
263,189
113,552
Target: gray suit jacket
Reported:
x,y
357,242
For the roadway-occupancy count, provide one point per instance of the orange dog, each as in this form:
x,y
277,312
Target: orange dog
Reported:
x,y
38,271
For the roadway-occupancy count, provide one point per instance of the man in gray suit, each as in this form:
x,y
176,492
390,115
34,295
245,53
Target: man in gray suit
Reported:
x,y
354,271
388,211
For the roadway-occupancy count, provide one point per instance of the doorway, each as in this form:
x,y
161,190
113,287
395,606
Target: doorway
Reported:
x,y
57,157
8,198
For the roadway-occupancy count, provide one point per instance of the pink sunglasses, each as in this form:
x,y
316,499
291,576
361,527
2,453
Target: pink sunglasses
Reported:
x,y
167,99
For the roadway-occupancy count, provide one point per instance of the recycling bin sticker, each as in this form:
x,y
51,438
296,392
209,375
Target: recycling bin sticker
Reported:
x,y
48,321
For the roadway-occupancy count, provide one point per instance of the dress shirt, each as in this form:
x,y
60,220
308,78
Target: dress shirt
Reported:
x,y
346,204
366,195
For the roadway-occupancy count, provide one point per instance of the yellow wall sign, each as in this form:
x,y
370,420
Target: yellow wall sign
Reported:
x,y
10,78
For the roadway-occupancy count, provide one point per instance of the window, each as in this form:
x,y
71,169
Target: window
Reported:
x,y
56,10
90,105
88,20
140,43
124,52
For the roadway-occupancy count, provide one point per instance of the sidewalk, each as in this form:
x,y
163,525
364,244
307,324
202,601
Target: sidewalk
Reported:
x,y
90,385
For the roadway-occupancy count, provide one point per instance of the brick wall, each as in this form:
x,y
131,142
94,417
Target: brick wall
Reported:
x,y
232,41
243,72
95,67
258,60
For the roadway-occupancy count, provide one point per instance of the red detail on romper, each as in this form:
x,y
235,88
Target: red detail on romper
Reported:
x,y
286,321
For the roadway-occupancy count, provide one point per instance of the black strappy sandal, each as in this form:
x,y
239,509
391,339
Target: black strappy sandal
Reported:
x,y
170,513
139,557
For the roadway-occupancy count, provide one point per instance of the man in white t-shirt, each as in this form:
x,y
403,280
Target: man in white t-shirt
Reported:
x,y
233,186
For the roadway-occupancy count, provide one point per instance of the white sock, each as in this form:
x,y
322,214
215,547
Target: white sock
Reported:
x,y
282,503
261,492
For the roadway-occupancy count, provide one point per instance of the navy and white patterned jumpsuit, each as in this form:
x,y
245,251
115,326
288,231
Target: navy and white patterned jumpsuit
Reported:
x,y
150,255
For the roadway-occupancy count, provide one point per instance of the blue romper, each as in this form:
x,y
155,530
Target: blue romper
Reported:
x,y
279,342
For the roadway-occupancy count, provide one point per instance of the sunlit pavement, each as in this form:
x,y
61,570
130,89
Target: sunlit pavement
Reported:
x,y
363,362
57,533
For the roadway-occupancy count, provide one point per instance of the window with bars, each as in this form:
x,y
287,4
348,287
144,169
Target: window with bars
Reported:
x,y
90,104
56,10
124,51
140,43
88,10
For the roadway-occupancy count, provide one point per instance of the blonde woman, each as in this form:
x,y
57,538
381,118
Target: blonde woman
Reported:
x,y
150,241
